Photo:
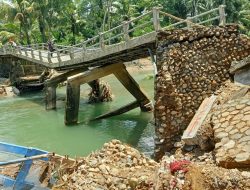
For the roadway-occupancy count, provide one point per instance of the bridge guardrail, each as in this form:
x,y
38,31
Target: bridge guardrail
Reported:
x,y
150,21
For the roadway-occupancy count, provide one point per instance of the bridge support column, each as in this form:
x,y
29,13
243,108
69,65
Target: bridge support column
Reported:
x,y
50,97
131,85
13,73
119,70
72,103
51,85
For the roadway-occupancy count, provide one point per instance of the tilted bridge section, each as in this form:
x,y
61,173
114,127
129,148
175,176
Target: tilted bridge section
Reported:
x,y
105,54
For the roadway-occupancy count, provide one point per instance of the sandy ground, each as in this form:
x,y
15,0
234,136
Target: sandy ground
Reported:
x,y
140,65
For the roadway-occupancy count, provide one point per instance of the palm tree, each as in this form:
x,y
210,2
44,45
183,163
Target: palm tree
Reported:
x,y
244,17
24,10
7,26
41,10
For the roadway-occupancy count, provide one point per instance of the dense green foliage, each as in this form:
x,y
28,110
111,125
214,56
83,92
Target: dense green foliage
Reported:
x,y
71,21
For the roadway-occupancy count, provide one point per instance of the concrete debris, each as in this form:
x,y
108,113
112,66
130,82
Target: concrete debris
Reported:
x,y
119,167
115,167
9,91
100,92
227,127
190,134
237,65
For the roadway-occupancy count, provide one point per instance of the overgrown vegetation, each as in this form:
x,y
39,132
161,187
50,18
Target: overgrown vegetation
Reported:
x,y
72,21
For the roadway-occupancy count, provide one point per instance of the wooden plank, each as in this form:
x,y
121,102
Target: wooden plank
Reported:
x,y
189,135
119,111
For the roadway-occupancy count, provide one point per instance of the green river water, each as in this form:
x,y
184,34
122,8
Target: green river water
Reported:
x,y
24,121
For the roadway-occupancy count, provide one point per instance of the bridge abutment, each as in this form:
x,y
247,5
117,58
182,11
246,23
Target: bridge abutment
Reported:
x,y
192,65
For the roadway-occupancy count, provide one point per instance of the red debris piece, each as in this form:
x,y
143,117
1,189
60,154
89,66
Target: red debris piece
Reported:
x,y
180,165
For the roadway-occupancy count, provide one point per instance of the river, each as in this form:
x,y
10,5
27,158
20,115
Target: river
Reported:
x,y
24,121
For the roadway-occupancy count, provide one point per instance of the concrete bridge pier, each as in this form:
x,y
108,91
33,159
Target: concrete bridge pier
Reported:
x,y
131,85
119,70
13,75
72,103
50,97
51,85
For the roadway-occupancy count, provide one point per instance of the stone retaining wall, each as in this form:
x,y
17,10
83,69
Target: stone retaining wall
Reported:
x,y
9,66
192,65
232,133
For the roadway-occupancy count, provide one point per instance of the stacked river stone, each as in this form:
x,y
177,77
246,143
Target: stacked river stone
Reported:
x,y
192,64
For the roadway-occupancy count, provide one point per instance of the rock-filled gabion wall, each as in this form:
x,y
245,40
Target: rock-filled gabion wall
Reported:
x,y
192,64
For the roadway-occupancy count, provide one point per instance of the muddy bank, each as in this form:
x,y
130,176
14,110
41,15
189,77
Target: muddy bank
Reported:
x,y
6,89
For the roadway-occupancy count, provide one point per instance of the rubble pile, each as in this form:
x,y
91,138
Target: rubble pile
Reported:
x,y
100,92
2,91
211,177
119,167
192,65
115,167
228,92
4,82
186,175
226,128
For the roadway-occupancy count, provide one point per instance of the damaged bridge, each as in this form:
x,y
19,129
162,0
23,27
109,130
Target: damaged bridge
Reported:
x,y
105,54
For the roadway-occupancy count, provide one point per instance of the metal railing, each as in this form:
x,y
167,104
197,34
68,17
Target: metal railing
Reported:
x,y
153,21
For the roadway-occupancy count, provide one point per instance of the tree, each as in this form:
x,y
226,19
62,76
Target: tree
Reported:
x,y
24,10
72,21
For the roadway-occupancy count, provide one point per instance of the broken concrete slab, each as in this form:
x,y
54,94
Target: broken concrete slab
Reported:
x,y
241,71
239,65
190,134
11,91
243,76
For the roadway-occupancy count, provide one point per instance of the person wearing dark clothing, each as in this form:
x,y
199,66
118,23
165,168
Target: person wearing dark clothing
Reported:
x,y
51,47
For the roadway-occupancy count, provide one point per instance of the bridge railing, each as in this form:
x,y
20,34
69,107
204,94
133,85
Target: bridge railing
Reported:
x,y
206,18
151,21
115,35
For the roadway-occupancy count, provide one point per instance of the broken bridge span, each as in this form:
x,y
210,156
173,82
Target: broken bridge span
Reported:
x,y
103,55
